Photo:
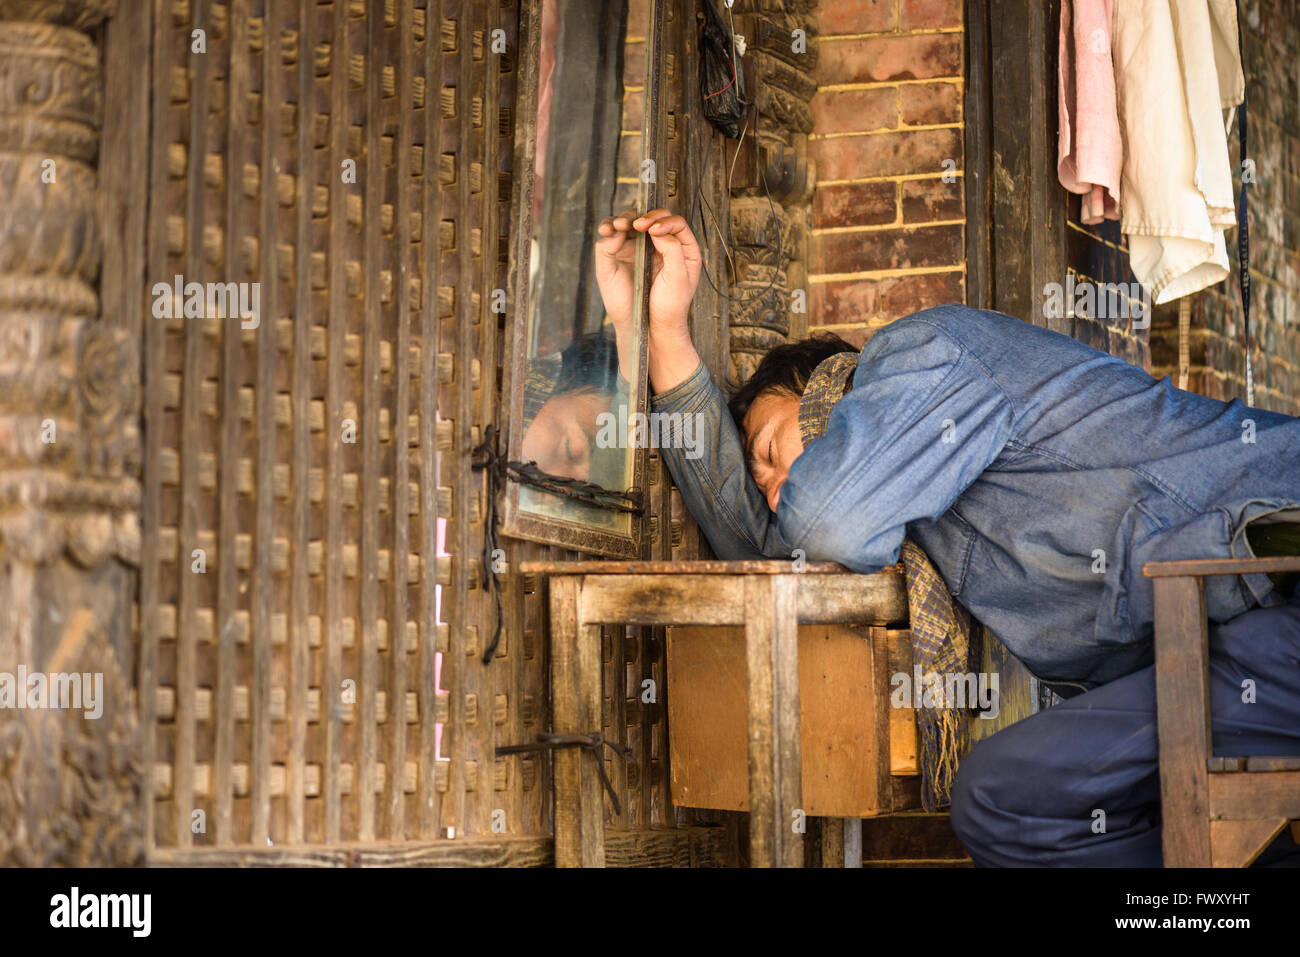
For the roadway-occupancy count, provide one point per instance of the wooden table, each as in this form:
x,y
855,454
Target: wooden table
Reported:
x,y
770,599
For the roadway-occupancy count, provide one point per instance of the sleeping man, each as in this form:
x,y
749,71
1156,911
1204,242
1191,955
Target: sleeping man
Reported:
x,y
1037,475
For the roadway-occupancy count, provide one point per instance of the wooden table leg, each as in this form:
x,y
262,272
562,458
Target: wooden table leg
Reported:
x,y
775,768
576,709
1183,720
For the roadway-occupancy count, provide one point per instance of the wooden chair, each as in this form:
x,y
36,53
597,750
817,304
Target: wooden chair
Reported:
x,y
1216,812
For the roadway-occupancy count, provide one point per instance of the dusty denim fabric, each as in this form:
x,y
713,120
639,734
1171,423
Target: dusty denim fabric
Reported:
x,y
1038,474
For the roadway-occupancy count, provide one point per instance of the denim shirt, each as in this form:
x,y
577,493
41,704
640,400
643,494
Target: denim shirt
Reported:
x,y
1037,473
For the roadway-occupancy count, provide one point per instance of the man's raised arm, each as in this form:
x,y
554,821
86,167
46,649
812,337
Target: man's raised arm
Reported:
x,y
705,457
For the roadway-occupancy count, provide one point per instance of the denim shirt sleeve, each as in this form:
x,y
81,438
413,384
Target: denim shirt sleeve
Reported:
x,y
921,422
711,475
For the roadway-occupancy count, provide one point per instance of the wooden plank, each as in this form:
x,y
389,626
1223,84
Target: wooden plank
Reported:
x,y
1237,797
191,426
832,849
1253,763
430,471
486,146
878,648
1222,566
300,584
1183,719
589,699
266,584
666,567
662,600
566,710
708,749
144,25
407,264
228,602
772,690
659,847
878,599
1028,208
1238,843
688,599
334,397
371,172
904,743
976,162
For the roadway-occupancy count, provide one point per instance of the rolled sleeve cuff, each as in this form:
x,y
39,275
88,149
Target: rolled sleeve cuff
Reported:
x,y
684,396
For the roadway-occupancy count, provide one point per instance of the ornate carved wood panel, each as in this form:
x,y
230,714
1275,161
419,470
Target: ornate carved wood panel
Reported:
x,y
70,781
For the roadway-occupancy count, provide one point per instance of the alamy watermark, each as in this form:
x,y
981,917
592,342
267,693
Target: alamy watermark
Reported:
x,y
58,689
1098,300
948,690
654,430
195,300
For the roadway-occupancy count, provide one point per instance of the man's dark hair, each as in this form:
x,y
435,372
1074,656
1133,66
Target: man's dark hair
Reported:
x,y
588,364
787,369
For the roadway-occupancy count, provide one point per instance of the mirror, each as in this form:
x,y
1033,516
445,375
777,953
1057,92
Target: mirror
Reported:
x,y
578,351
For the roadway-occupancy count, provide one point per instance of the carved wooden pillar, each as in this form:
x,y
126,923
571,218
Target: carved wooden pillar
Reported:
x,y
70,783
771,180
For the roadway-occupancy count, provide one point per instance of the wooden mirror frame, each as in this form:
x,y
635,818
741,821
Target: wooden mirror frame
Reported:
x,y
517,522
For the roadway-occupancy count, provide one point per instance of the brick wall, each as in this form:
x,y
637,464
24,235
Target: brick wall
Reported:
x,y
1272,64
886,231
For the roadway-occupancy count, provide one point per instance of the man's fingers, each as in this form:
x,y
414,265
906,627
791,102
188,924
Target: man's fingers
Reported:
x,y
678,231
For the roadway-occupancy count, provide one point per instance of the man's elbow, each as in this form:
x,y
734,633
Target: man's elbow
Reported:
x,y
823,539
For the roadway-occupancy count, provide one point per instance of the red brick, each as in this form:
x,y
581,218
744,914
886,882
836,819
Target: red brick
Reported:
x,y
904,295
855,301
930,14
855,204
831,303
886,249
880,59
886,154
855,111
924,104
855,16
927,200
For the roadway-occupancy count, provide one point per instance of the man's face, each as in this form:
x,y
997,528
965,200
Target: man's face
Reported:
x,y
560,437
771,434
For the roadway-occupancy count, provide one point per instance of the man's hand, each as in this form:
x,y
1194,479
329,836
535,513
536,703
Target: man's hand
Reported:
x,y
675,274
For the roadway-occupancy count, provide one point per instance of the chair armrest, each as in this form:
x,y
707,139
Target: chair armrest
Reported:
x,y
1221,566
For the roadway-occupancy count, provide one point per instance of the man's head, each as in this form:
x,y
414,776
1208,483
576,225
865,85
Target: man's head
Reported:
x,y
560,436
766,409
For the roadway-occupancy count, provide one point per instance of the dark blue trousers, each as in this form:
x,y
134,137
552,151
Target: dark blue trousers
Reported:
x,y
1077,785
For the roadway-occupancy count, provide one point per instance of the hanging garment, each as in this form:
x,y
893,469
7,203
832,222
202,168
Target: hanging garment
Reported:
x,y
1177,68
1088,153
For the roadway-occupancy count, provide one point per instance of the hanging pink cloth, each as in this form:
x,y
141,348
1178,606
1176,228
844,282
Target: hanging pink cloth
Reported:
x,y
1089,151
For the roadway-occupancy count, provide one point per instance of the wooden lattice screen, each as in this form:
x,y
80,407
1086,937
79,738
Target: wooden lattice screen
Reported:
x,y
303,689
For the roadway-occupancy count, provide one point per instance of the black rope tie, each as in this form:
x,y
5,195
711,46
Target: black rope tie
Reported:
x,y
549,740
484,457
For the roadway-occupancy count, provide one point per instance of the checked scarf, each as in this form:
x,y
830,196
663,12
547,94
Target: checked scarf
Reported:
x,y
941,629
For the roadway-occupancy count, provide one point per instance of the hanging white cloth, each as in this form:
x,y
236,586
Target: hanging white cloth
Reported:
x,y
1177,70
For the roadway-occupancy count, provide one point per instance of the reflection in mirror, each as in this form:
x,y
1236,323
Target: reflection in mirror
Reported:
x,y
584,292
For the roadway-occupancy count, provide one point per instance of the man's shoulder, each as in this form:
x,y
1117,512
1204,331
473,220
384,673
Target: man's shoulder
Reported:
x,y
992,338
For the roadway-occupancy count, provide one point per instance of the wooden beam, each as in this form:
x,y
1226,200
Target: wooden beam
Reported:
x,y
976,163
720,599
1183,719
775,768
1221,566
575,705
703,846
1247,796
